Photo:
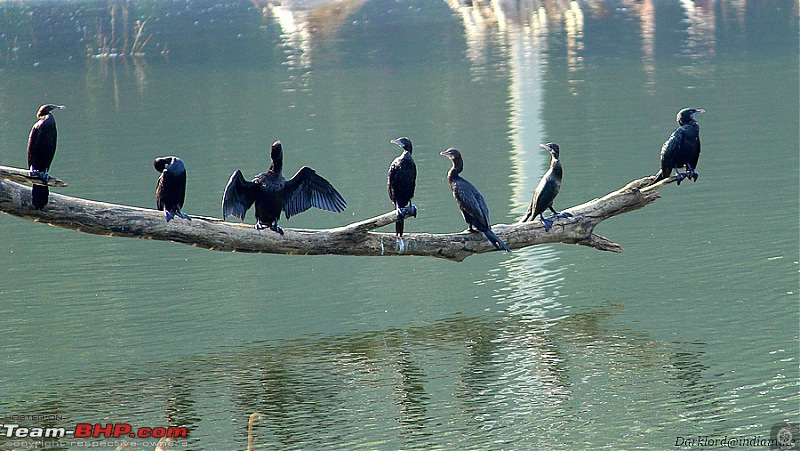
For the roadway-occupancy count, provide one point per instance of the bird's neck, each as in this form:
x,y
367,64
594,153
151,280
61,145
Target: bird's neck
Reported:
x,y
458,166
276,166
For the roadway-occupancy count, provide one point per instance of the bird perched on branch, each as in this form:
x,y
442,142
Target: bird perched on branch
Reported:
x,y
469,200
547,190
41,150
682,149
272,193
402,181
171,187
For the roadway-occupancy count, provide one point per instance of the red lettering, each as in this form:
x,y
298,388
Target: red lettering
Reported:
x,y
83,430
121,429
178,432
104,430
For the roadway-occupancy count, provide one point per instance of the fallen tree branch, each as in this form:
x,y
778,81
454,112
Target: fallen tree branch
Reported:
x,y
358,239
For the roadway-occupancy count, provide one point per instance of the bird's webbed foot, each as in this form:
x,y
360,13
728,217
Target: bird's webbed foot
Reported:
x,y
692,174
563,214
680,176
169,215
274,227
548,223
44,176
405,212
183,216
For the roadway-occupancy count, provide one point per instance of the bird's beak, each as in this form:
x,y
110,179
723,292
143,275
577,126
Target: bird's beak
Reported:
x,y
394,141
698,112
60,107
445,153
547,148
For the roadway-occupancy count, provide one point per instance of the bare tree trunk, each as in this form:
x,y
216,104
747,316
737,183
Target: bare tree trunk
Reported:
x,y
358,239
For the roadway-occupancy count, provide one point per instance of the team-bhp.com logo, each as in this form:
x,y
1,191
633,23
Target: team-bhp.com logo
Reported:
x,y
87,430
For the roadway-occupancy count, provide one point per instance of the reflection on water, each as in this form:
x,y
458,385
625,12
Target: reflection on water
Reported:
x,y
306,26
497,379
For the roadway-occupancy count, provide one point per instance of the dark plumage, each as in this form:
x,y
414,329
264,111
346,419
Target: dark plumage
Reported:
x,y
41,150
547,190
272,193
402,182
469,200
171,187
682,149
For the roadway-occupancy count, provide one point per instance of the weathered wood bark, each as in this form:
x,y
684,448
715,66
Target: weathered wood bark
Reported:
x,y
21,176
357,239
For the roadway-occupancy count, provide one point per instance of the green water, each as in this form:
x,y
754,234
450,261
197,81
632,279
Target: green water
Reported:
x,y
692,331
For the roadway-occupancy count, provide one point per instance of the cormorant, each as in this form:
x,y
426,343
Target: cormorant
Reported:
x,y
547,190
41,150
271,193
682,149
469,200
171,187
402,181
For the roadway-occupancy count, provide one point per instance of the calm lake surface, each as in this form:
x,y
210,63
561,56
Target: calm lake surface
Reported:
x,y
692,331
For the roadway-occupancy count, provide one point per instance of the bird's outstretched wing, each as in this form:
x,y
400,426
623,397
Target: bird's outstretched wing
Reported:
x,y
308,189
239,196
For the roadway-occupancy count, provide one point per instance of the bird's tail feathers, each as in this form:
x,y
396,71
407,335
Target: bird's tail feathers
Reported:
x,y
39,196
398,228
495,240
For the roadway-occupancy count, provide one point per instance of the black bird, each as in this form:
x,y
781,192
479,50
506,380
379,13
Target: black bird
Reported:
x,y
402,181
171,187
41,150
470,201
272,193
682,149
547,190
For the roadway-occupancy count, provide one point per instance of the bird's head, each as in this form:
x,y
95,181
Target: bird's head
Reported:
x,y
686,115
277,150
552,148
45,109
403,142
451,153
167,163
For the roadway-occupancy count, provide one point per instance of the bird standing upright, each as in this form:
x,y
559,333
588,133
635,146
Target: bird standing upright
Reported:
x,y
272,193
547,190
469,200
402,182
41,150
171,187
682,149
